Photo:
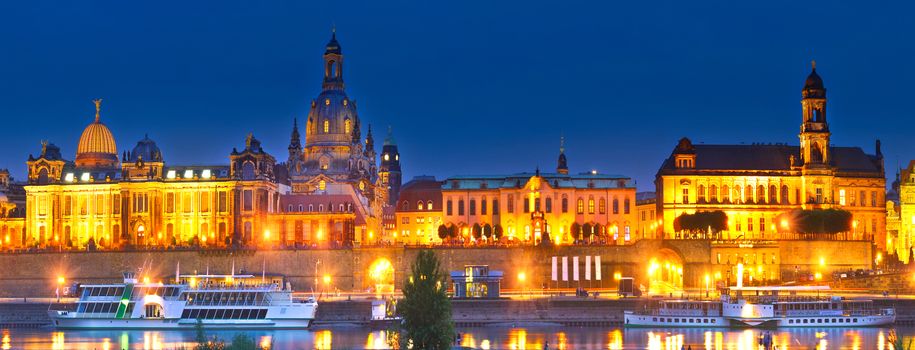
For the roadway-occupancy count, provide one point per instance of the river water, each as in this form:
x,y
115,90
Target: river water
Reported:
x,y
478,338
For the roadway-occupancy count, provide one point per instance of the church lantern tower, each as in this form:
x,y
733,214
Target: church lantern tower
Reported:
x,y
814,129
562,167
389,172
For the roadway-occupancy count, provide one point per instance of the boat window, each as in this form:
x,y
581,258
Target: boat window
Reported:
x,y
246,313
221,314
805,320
262,313
654,319
690,320
855,320
186,313
714,320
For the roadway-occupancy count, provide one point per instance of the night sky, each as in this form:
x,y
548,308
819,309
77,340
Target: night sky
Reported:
x,y
468,87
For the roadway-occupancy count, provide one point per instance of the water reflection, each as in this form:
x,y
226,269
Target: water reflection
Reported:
x,y
476,338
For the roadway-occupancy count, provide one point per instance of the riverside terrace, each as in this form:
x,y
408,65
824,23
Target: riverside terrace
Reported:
x,y
667,264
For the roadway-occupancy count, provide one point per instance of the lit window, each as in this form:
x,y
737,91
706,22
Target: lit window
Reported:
x,y
171,174
397,157
386,157
841,197
206,174
68,177
326,127
347,126
322,185
84,177
188,174
327,102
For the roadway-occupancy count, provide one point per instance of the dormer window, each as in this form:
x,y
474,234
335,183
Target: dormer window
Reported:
x,y
685,161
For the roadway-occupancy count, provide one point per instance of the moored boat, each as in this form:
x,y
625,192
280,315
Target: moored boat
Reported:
x,y
213,301
774,306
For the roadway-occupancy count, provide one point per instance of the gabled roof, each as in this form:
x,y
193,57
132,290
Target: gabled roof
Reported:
x,y
770,157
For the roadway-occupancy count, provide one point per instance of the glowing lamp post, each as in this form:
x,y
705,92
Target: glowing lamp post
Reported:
x,y
521,278
60,284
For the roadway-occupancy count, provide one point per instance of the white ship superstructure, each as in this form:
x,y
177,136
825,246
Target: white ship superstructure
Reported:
x,y
775,306
215,301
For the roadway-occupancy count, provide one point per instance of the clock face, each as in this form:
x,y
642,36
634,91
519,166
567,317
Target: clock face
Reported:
x,y
386,157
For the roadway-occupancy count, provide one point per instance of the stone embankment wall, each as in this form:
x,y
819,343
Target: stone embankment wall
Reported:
x,y
36,274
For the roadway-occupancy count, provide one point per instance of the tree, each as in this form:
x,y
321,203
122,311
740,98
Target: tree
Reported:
x,y
425,307
477,231
701,221
442,232
497,232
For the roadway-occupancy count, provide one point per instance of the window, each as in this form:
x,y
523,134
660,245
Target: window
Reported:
x,y
685,200
223,202
784,199
863,200
510,206
591,205
326,127
749,224
549,205
448,206
419,205
842,197
116,204
873,198
429,205
581,206
526,205
482,206
248,199
760,194
460,207
100,204
819,195
186,203
68,204
616,205
322,185
170,202
347,126
626,206
773,194
701,194
602,206
762,224
725,194
537,204
713,193
495,206
205,202
473,207
565,204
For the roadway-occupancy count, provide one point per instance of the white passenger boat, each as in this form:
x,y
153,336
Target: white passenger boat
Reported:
x,y
215,301
776,306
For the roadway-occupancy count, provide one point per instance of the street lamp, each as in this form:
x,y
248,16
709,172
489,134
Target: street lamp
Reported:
x,y
60,283
521,278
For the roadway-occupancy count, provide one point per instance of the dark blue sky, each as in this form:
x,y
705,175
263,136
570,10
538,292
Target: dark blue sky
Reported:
x,y
469,87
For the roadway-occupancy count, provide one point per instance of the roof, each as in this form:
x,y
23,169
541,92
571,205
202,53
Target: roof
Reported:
x,y
584,180
421,188
772,157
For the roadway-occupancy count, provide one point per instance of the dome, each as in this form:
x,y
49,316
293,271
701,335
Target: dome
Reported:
x,y
335,108
147,150
96,146
813,86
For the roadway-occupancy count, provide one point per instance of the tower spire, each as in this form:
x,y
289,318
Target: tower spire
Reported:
x,y
98,108
562,166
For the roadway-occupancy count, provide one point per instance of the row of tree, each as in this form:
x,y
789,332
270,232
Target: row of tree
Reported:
x,y
827,221
478,231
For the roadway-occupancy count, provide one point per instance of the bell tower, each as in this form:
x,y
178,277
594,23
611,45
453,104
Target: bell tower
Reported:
x,y
814,129
333,64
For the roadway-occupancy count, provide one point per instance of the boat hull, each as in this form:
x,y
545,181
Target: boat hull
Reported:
x,y
176,324
637,320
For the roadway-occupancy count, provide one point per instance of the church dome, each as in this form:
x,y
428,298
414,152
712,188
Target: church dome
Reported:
x,y
147,150
96,145
813,86
332,119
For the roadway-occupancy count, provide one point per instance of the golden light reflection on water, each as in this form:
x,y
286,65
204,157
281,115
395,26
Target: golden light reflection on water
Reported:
x,y
6,340
615,340
57,341
323,339
467,340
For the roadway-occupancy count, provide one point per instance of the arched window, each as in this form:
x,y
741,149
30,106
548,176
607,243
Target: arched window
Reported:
x,y
773,194
784,194
419,205
616,205
326,126
760,194
591,205
701,194
602,206
289,208
565,204
816,154
247,171
713,193
322,185
626,205
748,194
473,206
301,208
581,206
311,207
321,207
460,207
340,207
43,176
347,126
725,194
429,205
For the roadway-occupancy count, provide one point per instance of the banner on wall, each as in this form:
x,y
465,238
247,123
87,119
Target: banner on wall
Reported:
x,y
555,272
565,268
575,268
587,268
597,267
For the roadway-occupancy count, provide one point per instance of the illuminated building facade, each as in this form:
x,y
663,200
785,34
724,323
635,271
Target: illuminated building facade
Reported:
x,y
755,183
418,213
327,194
649,225
904,213
587,207
12,209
